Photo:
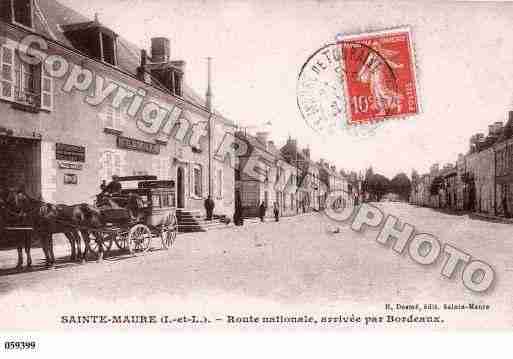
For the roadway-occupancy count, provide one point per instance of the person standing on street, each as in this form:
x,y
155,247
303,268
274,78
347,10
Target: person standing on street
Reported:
x,y
276,211
261,211
209,207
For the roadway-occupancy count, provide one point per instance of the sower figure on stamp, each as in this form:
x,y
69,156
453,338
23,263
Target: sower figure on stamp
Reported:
x,y
261,211
375,72
209,207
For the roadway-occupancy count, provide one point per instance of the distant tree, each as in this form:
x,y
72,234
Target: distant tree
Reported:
x,y
377,185
401,185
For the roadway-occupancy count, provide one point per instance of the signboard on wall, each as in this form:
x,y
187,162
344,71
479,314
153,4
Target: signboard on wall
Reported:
x,y
71,153
70,166
137,145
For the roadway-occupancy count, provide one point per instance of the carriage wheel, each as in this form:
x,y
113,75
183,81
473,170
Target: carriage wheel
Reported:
x,y
106,238
139,238
121,240
168,231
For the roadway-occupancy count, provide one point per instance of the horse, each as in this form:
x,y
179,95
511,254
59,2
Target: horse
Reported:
x,y
14,213
45,219
75,221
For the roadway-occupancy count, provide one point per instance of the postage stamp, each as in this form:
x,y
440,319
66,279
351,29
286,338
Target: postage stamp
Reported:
x,y
320,94
379,75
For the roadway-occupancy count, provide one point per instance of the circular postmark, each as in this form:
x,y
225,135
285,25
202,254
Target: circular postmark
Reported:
x,y
323,82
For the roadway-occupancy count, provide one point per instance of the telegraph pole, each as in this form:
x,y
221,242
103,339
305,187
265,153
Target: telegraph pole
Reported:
x,y
209,108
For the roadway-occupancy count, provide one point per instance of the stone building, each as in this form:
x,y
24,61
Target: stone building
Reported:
x,y
262,182
88,104
504,170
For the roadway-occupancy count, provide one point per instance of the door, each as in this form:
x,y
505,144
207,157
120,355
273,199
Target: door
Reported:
x,y
180,188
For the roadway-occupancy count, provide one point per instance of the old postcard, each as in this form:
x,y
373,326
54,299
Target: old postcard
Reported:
x,y
293,165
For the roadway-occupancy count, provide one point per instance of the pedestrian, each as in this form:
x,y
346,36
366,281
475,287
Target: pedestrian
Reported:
x,y
209,207
261,211
276,212
505,205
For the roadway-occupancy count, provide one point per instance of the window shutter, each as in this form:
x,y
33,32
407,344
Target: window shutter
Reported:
x,y
46,91
117,164
7,73
116,112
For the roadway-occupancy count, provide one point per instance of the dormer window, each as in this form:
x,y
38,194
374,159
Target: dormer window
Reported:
x,y
93,39
177,86
22,11
108,48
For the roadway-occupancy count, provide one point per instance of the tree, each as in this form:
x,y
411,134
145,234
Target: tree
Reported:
x,y
377,185
401,185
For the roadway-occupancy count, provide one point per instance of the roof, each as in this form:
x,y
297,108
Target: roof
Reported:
x,y
52,18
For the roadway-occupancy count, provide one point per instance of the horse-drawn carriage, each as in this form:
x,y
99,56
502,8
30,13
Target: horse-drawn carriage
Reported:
x,y
144,209
141,212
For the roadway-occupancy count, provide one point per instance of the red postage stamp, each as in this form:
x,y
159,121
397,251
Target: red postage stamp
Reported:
x,y
379,75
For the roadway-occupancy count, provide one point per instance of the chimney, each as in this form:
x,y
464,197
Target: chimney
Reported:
x,y
510,116
491,129
262,138
160,49
306,153
292,143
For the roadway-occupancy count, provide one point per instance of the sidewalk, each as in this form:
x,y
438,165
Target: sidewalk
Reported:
x,y
490,217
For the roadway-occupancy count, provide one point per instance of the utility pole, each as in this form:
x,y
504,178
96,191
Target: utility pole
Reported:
x,y
209,108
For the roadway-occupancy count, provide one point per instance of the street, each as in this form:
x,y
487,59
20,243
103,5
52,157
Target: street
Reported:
x,y
297,266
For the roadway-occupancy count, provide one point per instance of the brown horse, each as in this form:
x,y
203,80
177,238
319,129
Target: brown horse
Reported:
x,y
13,214
75,221
45,219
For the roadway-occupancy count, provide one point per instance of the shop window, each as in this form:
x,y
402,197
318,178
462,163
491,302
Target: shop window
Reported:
x,y
197,181
22,10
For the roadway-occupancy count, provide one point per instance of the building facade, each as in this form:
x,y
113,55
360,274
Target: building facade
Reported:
x,y
95,106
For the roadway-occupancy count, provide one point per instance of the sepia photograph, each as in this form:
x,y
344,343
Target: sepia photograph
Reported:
x,y
309,166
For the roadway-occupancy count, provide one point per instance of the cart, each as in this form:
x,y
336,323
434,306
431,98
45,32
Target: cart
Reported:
x,y
156,216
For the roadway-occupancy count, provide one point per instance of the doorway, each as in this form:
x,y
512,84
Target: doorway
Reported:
x,y
180,188
20,164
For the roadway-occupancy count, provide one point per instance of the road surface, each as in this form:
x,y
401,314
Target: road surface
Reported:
x,y
296,267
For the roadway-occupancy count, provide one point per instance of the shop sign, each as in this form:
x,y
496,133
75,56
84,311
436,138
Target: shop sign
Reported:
x,y
138,145
70,166
69,152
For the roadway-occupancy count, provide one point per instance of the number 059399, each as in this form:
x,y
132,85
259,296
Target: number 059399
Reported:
x,y
20,345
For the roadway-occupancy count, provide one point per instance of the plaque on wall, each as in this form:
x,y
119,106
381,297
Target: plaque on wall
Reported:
x,y
70,178
71,153
70,166
138,145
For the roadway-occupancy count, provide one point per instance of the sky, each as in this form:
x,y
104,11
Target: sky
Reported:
x,y
463,57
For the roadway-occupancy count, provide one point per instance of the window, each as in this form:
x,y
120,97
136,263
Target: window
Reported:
x,y
177,84
26,86
219,183
108,47
22,10
24,83
197,182
155,200
110,164
113,118
7,74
